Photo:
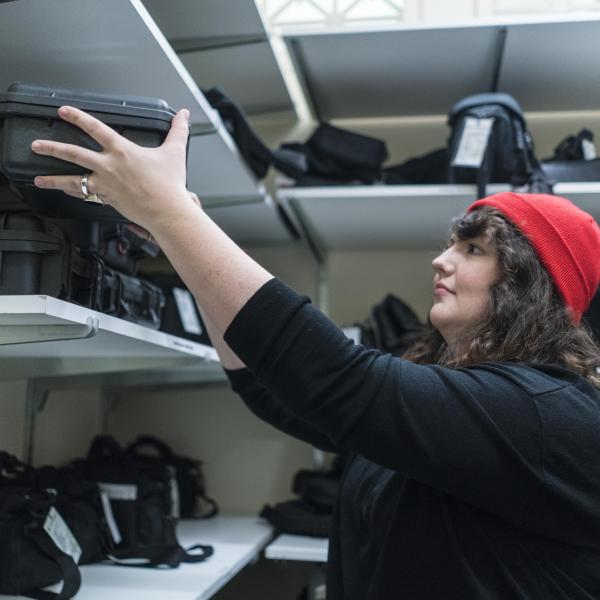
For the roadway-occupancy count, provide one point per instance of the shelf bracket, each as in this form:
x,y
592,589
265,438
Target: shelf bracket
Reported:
x,y
30,334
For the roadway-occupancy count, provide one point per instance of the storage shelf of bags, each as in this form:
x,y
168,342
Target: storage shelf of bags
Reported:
x,y
415,217
298,547
237,541
41,336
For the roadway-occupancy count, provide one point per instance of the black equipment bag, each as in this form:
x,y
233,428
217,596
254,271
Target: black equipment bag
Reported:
x,y
332,156
311,513
299,518
180,315
574,159
31,559
489,143
129,298
50,521
29,112
188,490
37,258
118,245
391,327
430,168
257,156
138,502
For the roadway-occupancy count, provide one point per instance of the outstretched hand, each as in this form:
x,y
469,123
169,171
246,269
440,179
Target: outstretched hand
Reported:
x,y
146,185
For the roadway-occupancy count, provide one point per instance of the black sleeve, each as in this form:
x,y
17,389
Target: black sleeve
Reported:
x,y
472,433
266,407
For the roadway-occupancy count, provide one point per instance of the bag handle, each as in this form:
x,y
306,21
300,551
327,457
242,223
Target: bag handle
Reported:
x,y
150,441
70,573
106,447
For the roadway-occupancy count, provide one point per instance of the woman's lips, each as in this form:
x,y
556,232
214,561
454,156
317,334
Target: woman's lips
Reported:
x,y
441,290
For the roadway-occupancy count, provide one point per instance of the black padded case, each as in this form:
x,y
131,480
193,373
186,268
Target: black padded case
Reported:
x,y
29,112
36,257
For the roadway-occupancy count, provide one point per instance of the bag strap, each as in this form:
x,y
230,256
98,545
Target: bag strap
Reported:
x,y
160,556
70,573
485,170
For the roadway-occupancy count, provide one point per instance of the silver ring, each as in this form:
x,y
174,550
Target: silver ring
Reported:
x,y
85,190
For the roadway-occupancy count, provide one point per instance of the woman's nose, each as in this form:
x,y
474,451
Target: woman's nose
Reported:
x,y
442,263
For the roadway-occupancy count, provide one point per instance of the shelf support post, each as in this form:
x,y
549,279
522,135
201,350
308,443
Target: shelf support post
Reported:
x,y
35,401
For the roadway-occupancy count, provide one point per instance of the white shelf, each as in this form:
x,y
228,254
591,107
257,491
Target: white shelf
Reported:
x,y
424,70
112,46
224,43
252,223
407,217
237,541
298,547
551,66
117,346
217,173
198,19
391,72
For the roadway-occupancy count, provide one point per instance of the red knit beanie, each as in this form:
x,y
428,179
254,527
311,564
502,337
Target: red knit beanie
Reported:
x,y
566,239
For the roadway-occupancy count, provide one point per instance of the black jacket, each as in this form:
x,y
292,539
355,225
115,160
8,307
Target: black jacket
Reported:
x,y
482,482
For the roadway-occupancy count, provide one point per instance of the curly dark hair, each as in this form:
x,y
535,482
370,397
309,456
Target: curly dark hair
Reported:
x,y
527,320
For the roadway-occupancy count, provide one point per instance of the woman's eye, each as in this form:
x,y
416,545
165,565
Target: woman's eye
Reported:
x,y
473,249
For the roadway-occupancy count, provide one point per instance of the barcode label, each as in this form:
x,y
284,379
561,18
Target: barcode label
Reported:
x,y
61,535
473,142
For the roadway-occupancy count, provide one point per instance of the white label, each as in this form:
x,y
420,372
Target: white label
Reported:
x,y
589,149
119,491
353,333
175,512
110,518
187,311
61,535
473,142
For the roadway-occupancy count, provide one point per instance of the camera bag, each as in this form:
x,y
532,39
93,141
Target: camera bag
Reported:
x,y
489,143
142,525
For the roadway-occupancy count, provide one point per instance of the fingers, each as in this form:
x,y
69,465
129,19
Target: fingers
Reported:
x,y
69,152
180,129
96,129
71,184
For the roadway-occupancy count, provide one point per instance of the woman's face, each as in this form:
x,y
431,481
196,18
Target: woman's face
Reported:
x,y
464,273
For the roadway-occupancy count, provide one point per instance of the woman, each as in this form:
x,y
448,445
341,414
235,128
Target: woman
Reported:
x,y
474,469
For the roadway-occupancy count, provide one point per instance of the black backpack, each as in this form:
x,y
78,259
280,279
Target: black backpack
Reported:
x,y
489,143
391,327
138,506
